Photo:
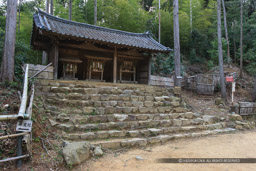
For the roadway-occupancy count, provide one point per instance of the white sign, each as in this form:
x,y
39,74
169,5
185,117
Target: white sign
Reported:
x,y
233,86
24,126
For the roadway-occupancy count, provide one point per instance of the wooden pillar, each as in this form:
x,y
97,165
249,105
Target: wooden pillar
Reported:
x,y
115,66
56,60
44,58
149,68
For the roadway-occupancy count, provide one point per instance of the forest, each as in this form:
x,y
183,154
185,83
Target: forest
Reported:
x,y
197,20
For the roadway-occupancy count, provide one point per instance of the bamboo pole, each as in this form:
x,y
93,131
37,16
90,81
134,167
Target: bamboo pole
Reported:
x,y
11,117
29,109
13,135
14,158
24,96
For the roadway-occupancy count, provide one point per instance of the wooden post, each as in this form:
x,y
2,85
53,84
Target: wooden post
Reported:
x,y
56,60
134,74
149,69
115,65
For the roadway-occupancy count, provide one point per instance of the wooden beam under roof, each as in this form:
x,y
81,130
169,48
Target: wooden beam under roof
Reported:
x,y
129,54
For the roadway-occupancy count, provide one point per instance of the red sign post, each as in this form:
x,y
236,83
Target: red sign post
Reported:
x,y
229,79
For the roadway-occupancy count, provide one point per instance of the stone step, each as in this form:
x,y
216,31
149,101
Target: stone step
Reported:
x,y
149,132
141,91
88,110
76,97
124,125
110,103
103,86
83,119
141,142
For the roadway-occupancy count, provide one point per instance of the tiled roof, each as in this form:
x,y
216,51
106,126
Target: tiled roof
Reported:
x,y
64,27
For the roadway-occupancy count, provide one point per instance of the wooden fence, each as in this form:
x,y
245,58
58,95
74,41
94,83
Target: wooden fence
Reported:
x,y
202,83
205,84
247,108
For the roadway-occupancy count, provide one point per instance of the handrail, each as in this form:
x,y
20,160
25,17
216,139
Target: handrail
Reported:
x,y
20,116
25,137
24,96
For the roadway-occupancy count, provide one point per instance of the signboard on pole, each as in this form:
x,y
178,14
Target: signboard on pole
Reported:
x,y
229,79
24,126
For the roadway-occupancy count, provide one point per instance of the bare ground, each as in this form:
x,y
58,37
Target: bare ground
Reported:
x,y
237,145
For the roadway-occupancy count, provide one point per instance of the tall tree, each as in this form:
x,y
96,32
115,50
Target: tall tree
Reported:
x,y
176,33
222,81
159,21
95,12
234,23
20,1
47,6
190,15
51,9
70,9
226,31
44,54
241,38
7,66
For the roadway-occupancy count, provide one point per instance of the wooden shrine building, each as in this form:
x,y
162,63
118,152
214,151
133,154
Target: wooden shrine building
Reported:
x,y
87,52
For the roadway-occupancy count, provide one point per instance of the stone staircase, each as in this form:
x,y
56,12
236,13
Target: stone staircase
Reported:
x,y
121,115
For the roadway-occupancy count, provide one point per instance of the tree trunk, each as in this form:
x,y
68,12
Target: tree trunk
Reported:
x,y
226,31
234,38
222,81
7,66
19,16
47,6
254,91
241,39
159,21
191,15
70,9
44,54
176,33
51,9
95,12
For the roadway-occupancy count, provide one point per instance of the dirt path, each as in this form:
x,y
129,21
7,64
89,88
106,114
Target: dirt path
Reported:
x,y
237,145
